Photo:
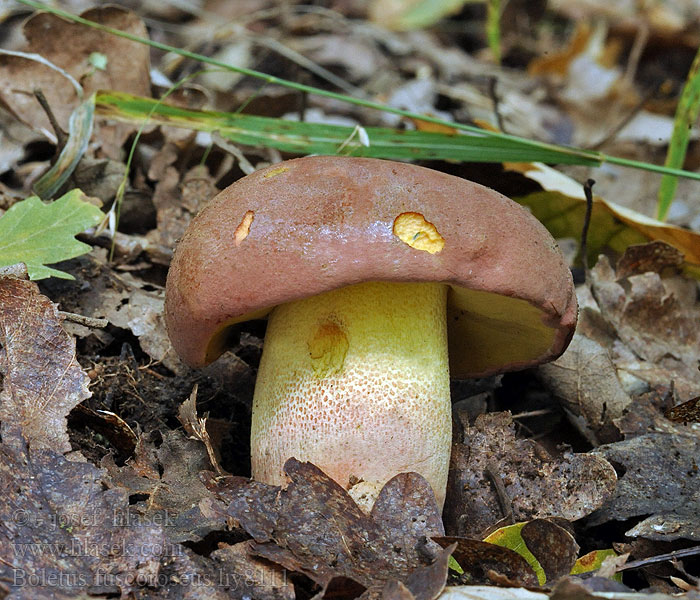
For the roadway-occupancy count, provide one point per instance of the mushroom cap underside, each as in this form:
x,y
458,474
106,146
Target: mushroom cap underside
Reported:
x,y
311,225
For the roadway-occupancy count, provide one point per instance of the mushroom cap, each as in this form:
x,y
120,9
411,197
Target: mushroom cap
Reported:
x,y
315,224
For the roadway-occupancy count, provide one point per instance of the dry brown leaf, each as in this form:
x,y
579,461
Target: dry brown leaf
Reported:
x,y
43,380
637,330
314,527
263,580
552,545
659,477
69,45
655,316
584,379
196,427
653,257
167,480
483,562
537,484
178,199
63,534
646,413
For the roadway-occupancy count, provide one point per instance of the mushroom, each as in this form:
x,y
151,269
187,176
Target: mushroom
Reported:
x,y
367,271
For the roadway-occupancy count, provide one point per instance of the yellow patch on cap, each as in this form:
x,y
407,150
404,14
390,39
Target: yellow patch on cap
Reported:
x,y
412,229
275,172
243,228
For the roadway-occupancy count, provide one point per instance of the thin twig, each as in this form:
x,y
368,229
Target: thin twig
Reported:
x,y
588,191
624,121
493,94
83,320
532,413
642,562
61,136
503,499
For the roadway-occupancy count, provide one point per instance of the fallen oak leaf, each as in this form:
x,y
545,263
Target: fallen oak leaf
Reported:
x,y
167,478
313,527
43,380
537,484
38,234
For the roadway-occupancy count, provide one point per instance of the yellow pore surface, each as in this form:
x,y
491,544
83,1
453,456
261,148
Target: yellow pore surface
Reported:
x,y
356,381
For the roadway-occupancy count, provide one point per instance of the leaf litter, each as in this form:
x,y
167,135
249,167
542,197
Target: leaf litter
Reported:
x,y
633,360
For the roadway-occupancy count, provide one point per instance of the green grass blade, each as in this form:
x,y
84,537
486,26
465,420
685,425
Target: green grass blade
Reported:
x,y
493,28
685,119
314,138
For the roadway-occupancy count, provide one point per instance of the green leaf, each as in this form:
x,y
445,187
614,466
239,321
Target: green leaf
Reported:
x,y
593,561
38,234
511,538
455,566
561,207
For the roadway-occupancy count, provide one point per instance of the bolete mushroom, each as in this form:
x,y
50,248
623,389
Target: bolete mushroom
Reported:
x,y
368,271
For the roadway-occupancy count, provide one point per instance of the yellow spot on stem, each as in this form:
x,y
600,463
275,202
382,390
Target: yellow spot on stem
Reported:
x,y
327,349
243,228
412,229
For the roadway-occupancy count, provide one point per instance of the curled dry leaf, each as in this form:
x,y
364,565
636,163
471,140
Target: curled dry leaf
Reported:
x,y
537,484
313,527
639,328
586,382
177,199
196,428
553,546
43,380
127,67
